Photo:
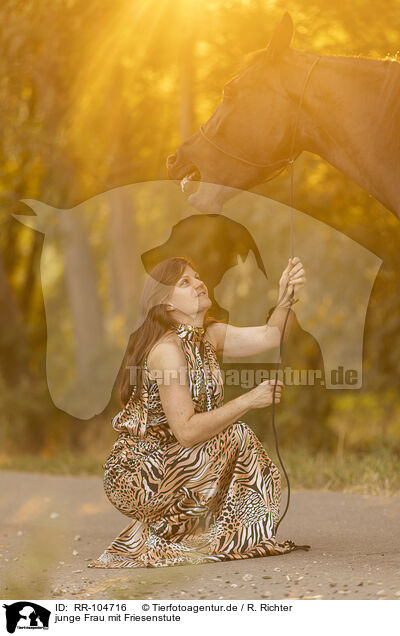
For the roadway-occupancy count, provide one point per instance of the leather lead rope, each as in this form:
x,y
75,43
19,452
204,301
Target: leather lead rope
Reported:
x,y
291,300
277,164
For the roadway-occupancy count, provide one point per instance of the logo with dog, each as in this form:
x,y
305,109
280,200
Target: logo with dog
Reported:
x,y
26,615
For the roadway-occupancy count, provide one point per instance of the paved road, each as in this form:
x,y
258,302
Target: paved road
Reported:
x,y
51,527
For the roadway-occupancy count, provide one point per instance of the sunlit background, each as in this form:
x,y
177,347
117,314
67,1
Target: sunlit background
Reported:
x,y
95,94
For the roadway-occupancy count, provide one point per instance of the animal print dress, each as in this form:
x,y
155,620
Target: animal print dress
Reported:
x,y
217,500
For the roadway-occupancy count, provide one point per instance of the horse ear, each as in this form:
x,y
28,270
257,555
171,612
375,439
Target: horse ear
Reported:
x,y
44,218
281,38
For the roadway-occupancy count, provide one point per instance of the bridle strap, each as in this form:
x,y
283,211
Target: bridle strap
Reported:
x,y
310,70
237,157
291,157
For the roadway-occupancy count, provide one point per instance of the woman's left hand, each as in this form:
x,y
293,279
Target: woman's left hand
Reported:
x,y
292,280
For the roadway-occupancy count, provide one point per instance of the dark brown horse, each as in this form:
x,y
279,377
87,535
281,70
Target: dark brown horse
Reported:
x,y
344,109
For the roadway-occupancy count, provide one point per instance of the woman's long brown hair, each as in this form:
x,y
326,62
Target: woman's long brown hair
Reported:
x,y
154,321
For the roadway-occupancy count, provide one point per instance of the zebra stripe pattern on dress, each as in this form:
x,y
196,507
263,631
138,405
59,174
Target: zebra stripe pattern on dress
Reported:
x,y
218,500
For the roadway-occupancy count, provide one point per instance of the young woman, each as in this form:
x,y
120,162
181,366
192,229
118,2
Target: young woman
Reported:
x,y
193,477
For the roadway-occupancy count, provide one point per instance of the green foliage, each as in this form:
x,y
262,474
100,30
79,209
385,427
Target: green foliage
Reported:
x,y
22,408
365,420
369,473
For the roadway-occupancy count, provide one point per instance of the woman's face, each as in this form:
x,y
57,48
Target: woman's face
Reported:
x,y
190,295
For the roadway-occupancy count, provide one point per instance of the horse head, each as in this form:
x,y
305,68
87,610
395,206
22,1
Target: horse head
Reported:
x,y
248,138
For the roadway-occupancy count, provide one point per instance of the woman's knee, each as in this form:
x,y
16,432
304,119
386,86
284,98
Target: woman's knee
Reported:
x,y
242,431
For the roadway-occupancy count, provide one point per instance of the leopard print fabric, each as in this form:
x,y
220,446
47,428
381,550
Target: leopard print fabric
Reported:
x,y
215,501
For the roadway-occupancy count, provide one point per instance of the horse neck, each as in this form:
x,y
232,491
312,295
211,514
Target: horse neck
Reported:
x,y
351,117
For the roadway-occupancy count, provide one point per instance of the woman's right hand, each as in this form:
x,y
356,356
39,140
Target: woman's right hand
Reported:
x,y
262,395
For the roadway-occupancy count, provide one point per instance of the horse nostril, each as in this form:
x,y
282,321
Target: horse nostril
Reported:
x,y
171,160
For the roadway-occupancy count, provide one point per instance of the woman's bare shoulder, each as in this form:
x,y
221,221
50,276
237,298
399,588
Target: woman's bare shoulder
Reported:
x,y
215,334
166,351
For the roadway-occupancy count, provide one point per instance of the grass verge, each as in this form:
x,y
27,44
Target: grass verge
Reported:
x,y
375,473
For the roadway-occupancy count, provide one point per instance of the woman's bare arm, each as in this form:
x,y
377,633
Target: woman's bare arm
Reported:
x,y
167,364
238,342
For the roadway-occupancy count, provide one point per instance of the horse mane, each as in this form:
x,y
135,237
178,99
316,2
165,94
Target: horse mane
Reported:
x,y
389,116
253,57
248,60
